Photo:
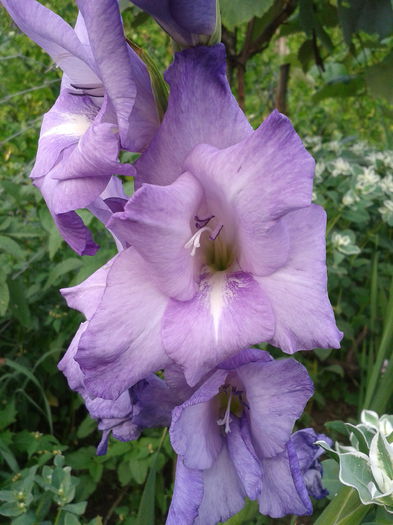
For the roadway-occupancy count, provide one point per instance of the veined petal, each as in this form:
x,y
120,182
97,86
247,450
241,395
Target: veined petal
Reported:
x,y
54,35
250,355
86,296
75,233
109,46
129,346
223,494
195,434
184,21
201,108
283,488
157,223
298,291
63,125
277,392
229,312
260,179
244,458
187,495
70,367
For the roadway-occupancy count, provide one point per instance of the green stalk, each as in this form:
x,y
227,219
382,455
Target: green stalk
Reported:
x,y
345,509
385,344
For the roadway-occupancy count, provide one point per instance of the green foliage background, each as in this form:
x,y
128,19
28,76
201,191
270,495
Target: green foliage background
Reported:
x,y
342,108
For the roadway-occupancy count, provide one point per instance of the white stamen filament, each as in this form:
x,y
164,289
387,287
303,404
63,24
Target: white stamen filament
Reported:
x,y
195,241
227,418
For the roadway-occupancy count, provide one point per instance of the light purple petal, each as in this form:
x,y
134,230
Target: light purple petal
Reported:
x,y
75,233
229,313
174,378
195,434
155,401
54,35
197,17
187,495
184,21
223,492
105,30
244,459
244,357
277,392
63,125
86,296
260,179
283,489
201,109
298,291
70,367
157,223
129,347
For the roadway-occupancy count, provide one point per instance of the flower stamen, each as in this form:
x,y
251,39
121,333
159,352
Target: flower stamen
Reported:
x,y
195,241
226,420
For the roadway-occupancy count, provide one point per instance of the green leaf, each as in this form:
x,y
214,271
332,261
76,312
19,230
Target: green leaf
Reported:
x,y
70,519
66,266
7,414
4,297
371,16
138,470
8,456
54,242
25,519
330,479
343,86
381,462
18,302
249,512
11,247
10,509
344,509
87,426
362,444
379,79
235,13
146,506
31,377
76,508
355,472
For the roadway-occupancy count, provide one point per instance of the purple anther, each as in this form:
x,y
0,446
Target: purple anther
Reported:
x,y
216,233
200,223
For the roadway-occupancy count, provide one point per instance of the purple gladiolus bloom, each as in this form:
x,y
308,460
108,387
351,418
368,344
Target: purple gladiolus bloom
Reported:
x,y
233,438
188,23
229,253
105,103
148,404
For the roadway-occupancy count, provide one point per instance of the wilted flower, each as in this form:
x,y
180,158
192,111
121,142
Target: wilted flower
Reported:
x,y
233,438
